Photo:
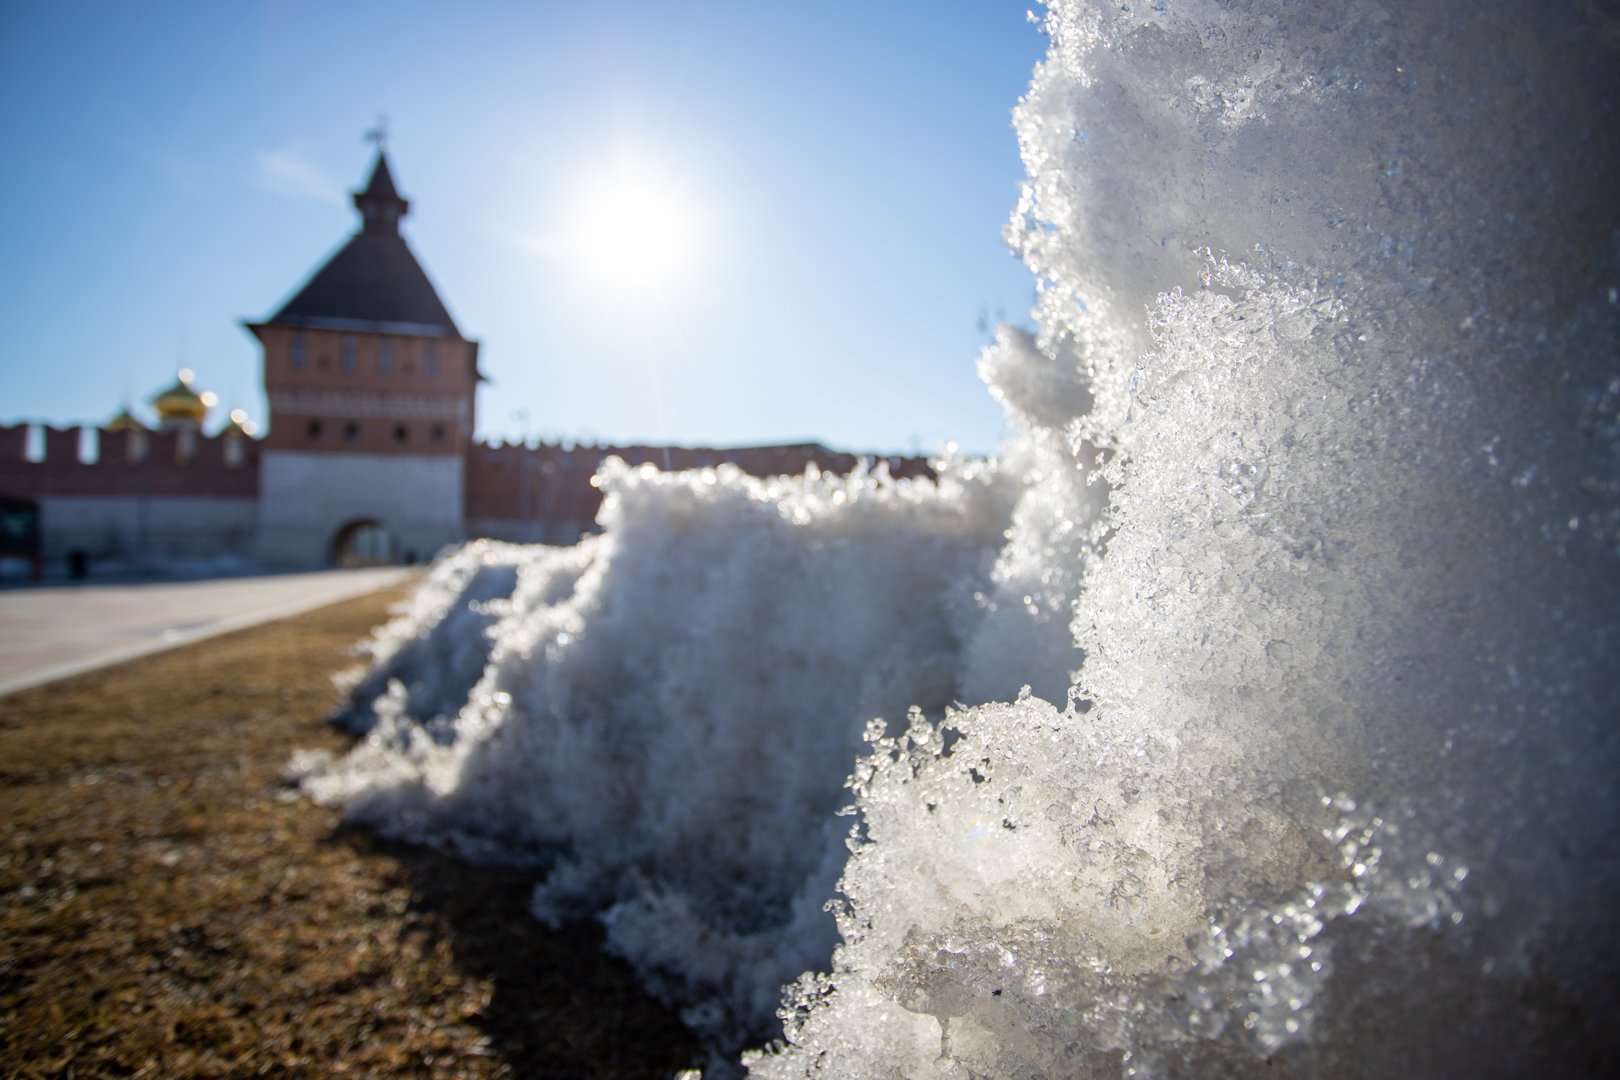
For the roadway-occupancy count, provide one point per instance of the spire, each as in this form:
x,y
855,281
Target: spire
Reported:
x,y
380,204
372,282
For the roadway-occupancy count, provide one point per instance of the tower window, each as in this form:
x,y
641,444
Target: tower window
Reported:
x,y
348,354
315,429
351,432
438,433
295,357
385,357
430,367
401,433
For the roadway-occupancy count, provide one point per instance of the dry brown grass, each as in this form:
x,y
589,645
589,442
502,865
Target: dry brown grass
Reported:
x,y
168,909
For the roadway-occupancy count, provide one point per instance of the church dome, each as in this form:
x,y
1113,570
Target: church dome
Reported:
x,y
125,421
182,403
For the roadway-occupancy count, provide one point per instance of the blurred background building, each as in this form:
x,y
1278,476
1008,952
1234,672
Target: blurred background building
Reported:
x,y
369,454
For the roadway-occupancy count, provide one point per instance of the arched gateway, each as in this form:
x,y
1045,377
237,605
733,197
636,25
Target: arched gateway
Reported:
x,y
364,542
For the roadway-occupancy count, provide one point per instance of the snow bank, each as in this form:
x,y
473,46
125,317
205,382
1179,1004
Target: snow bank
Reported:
x,y
663,717
1306,553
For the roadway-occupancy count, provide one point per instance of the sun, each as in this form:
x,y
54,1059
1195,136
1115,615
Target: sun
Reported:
x,y
636,230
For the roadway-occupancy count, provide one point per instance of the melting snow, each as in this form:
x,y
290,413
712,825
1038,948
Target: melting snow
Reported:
x,y
1256,708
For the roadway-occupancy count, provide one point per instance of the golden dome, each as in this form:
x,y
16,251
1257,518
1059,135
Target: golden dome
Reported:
x,y
124,421
181,402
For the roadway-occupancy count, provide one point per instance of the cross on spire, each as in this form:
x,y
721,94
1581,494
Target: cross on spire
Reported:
x,y
378,134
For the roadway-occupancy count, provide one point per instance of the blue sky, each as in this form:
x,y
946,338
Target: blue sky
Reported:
x,y
175,168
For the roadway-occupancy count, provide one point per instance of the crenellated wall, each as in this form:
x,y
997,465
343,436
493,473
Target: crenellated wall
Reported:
x,y
139,494
175,464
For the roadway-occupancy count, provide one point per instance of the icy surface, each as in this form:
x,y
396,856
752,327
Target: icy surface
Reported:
x,y
1334,794
1307,553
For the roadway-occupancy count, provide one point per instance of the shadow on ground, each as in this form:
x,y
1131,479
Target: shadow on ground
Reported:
x,y
556,1006
168,908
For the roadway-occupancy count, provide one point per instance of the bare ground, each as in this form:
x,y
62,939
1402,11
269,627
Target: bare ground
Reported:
x,y
169,909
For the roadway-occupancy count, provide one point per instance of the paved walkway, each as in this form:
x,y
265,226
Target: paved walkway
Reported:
x,y
53,632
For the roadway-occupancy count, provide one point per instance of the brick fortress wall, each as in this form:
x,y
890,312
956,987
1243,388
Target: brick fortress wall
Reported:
x,y
169,463
185,493
135,495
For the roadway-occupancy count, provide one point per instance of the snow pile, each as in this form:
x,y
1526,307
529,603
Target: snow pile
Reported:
x,y
1335,792
426,660
1307,554
662,718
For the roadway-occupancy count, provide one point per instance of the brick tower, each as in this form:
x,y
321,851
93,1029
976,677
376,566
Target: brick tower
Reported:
x,y
371,391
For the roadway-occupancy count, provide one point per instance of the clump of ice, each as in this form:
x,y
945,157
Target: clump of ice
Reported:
x,y
1024,638
1333,793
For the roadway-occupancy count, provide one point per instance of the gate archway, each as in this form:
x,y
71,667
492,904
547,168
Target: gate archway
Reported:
x,y
364,542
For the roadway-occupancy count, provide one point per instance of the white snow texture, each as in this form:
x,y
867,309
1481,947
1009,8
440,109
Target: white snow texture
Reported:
x,y
1307,553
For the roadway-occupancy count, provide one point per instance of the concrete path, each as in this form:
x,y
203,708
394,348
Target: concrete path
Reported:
x,y
53,632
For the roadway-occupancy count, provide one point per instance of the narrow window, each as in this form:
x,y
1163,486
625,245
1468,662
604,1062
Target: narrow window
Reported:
x,y
348,354
351,432
295,357
400,433
385,357
315,429
431,367
438,433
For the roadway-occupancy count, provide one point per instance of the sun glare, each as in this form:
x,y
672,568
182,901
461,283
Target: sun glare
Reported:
x,y
638,232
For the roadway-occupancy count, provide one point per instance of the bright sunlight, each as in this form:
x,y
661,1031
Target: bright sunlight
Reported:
x,y
637,231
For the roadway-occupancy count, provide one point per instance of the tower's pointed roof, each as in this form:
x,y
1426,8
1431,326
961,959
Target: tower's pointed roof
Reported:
x,y
373,282
381,193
